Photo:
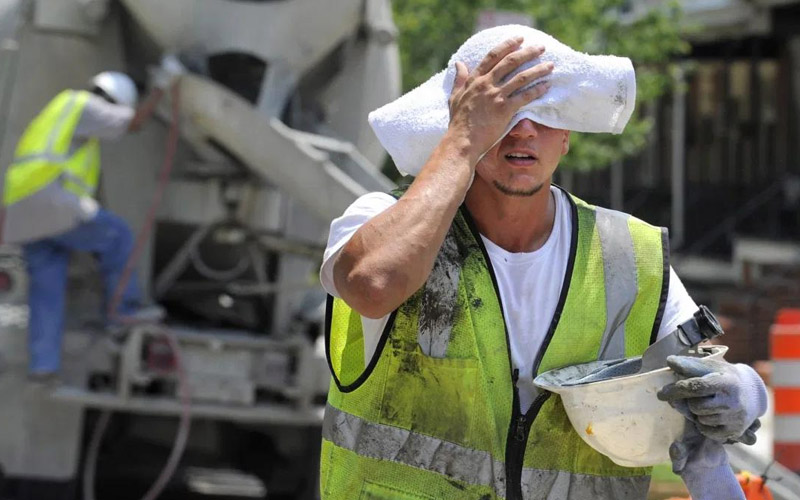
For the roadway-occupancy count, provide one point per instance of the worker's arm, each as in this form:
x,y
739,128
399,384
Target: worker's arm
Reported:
x,y
146,109
390,257
164,77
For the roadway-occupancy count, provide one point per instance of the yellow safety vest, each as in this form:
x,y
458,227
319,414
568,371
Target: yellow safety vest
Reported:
x,y
42,155
435,415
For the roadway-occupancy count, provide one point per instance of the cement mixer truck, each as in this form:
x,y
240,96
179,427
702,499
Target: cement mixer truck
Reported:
x,y
273,143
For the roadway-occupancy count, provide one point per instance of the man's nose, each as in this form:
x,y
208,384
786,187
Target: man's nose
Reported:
x,y
524,128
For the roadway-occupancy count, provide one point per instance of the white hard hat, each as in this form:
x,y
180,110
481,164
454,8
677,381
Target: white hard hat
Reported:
x,y
118,86
620,416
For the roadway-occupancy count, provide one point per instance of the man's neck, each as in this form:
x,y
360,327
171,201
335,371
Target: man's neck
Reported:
x,y
514,223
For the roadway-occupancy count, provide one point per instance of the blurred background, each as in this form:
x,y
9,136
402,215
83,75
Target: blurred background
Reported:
x,y
266,141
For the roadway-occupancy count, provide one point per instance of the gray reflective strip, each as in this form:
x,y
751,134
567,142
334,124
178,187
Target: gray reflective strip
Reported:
x,y
69,177
560,485
439,299
42,156
406,447
619,266
51,141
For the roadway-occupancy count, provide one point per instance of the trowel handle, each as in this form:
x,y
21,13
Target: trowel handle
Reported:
x,y
703,326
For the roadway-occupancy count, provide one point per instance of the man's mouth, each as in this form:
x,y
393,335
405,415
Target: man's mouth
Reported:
x,y
520,158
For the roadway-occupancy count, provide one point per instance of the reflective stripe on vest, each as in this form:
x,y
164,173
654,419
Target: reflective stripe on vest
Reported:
x,y
42,154
619,266
431,416
383,442
402,446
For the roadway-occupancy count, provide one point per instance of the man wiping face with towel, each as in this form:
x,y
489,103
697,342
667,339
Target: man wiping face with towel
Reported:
x,y
451,293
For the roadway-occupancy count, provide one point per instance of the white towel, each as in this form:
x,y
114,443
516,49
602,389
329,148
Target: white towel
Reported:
x,y
589,93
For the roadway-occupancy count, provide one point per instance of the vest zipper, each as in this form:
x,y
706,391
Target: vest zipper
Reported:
x,y
517,440
515,445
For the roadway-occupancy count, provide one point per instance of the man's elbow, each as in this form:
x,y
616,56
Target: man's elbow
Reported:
x,y
370,295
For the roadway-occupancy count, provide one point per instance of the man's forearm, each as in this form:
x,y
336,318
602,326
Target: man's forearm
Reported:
x,y
391,256
146,109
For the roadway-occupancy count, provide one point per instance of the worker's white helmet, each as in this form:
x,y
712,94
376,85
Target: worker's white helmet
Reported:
x,y
620,416
118,86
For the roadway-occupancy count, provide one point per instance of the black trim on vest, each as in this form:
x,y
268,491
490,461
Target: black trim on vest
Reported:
x,y
477,235
662,304
565,285
375,356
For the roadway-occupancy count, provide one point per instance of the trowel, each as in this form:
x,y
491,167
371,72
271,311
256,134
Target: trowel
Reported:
x,y
701,327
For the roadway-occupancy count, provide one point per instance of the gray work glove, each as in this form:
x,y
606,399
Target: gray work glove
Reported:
x,y
703,465
168,72
722,399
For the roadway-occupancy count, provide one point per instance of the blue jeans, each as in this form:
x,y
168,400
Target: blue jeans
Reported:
x,y
108,237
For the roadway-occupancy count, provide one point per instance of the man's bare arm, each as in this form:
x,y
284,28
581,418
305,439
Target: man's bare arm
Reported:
x,y
391,256
145,110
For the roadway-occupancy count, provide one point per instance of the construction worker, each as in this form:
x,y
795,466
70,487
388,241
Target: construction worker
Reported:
x,y
448,296
50,209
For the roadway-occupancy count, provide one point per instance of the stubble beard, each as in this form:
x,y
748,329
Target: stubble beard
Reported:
x,y
521,193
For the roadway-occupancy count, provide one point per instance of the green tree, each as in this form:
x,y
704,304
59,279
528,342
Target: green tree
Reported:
x,y
431,30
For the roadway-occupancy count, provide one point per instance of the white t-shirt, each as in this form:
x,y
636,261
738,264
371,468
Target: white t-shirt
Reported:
x,y
529,284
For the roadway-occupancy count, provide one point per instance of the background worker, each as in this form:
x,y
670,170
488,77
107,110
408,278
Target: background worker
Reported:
x,y
481,274
50,206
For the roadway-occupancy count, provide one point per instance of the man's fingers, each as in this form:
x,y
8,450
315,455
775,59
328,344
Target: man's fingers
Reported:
x,y
713,420
749,438
524,78
679,454
709,405
522,98
690,388
497,54
718,433
512,61
462,73
686,366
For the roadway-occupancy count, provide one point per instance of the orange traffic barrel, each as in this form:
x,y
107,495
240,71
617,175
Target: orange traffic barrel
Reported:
x,y
785,354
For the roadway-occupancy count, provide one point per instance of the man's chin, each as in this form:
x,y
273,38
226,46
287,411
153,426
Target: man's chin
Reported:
x,y
518,191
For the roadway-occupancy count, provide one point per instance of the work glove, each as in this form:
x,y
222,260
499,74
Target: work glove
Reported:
x,y
722,399
168,72
703,465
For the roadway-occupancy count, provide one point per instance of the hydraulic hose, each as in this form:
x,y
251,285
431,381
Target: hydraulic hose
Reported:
x,y
184,425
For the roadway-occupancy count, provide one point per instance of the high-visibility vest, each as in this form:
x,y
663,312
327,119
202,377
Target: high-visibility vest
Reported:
x,y
43,153
435,414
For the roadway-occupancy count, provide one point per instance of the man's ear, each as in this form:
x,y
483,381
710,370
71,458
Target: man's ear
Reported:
x,y
565,143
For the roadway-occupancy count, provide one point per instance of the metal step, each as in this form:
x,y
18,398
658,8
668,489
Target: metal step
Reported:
x,y
224,482
261,413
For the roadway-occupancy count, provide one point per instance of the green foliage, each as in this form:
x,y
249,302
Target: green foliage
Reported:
x,y
431,30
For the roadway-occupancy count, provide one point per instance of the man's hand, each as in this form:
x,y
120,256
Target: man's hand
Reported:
x,y
723,399
483,102
167,73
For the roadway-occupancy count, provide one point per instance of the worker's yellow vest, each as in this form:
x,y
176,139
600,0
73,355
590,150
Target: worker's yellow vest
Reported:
x,y
435,414
43,157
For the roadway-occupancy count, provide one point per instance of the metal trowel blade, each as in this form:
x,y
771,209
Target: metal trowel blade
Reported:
x,y
655,356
